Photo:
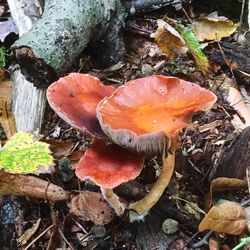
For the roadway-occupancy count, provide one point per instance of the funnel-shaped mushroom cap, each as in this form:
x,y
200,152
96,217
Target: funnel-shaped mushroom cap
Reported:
x,y
142,114
75,97
108,165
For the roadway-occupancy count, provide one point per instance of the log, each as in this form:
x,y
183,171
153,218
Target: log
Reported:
x,y
134,6
55,41
235,159
235,55
50,47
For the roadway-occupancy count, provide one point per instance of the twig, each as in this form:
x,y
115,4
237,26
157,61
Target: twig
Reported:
x,y
241,18
203,241
228,64
79,225
64,238
94,247
189,19
38,237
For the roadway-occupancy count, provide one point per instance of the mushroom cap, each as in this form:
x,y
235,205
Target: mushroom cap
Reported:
x,y
108,165
75,97
145,114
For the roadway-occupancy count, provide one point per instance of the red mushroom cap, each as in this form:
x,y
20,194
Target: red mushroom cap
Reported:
x,y
108,165
145,113
75,97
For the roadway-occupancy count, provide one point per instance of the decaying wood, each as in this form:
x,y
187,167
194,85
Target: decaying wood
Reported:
x,y
28,101
50,47
30,186
236,159
134,6
60,35
25,13
235,56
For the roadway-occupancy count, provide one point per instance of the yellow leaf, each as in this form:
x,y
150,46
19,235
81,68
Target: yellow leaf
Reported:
x,y
213,27
169,40
228,217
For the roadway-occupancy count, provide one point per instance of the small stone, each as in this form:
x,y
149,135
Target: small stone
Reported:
x,y
147,69
98,231
170,226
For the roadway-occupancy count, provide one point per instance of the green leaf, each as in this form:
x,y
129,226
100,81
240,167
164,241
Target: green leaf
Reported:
x,y
194,47
2,57
22,154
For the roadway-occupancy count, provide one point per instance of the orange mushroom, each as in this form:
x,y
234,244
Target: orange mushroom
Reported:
x,y
75,97
109,166
145,115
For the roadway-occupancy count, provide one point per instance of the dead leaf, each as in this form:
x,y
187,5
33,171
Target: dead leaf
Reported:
x,y
222,184
76,155
227,217
23,239
213,243
237,102
169,40
247,214
7,119
213,27
91,206
1,10
210,126
60,149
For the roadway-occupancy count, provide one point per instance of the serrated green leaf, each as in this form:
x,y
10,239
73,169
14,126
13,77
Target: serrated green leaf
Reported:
x,y
194,48
22,154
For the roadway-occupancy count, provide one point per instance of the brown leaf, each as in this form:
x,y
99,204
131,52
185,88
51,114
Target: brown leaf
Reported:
x,y
228,217
23,239
60,149
169,40
247,214
1,10
213,243
7,119
221,184
213,27
91,206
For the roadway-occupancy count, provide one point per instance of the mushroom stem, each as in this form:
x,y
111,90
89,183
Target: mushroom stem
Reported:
x,y
140,208
113,200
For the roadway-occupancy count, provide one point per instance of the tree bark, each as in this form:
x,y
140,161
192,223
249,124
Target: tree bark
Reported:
x,y
49,48
235,160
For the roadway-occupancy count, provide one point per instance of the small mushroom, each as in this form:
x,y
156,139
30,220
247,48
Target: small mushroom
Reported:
x,y
109,166
75,97
145,115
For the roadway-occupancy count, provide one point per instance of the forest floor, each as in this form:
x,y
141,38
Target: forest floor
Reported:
x,y
200,158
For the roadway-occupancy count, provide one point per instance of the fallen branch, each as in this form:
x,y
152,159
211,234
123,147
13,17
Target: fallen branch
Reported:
x,y
30,186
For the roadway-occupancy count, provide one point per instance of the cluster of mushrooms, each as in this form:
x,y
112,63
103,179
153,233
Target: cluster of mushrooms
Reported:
x,y
140,118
